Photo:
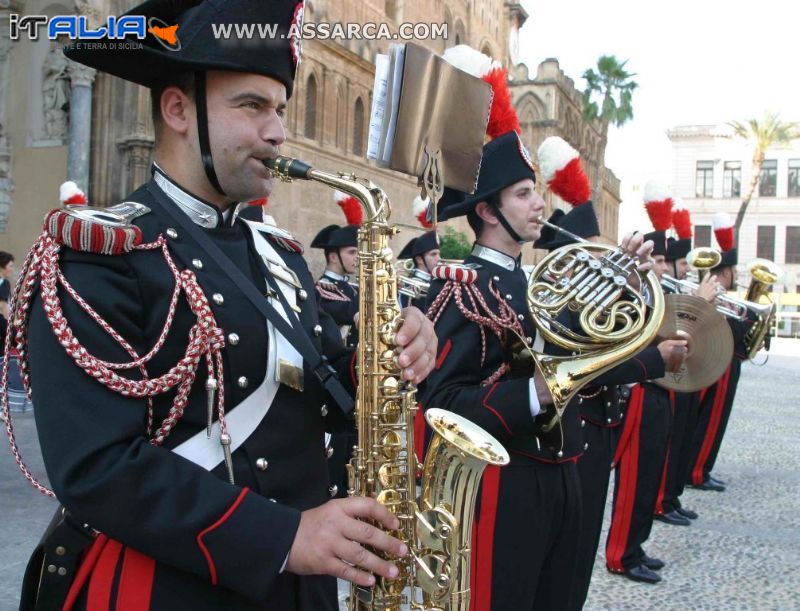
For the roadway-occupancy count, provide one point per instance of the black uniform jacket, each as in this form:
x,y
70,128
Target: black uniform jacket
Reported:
x,y
200,529
343,307
502,408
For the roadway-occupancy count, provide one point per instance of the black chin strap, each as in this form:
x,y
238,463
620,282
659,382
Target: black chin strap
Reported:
x,y
202,130
341,263
506,225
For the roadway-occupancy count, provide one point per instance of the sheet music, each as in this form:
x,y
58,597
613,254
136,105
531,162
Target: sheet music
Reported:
x,y
379,89
398,55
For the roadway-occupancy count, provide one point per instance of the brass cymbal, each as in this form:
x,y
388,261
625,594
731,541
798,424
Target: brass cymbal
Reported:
x,y
710,342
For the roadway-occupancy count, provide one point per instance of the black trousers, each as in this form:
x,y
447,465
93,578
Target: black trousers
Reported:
x,y
594,470
638,472
685,410
715,411
526,537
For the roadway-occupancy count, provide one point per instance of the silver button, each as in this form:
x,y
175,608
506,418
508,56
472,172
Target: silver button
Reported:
x,y
508,297
328,451
272,500
317,330
605,387
323,410
608,420
560,454
61,550
585,446
608,403
580,400
583,423
496,278
233,339
51,568
529,340
302,295
171,233
242,382
198,264
262,464
333,490
62,571
218,298
520,317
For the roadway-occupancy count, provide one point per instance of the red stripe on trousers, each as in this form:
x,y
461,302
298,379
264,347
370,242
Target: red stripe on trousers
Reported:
x,y
419,434
87,565
136,581
663,486
627,462
481,599
99,596
713,427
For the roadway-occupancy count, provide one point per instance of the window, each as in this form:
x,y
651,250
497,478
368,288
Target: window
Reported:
x,y
794,178
765,245
704,184
769,178
732,179
793,245
358,128
310,130
702,235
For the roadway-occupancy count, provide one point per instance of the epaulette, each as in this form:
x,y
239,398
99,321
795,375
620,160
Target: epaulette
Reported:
x,y
456,272
278,236
102,231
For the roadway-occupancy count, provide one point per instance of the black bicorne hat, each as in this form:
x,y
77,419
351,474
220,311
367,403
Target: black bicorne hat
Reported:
x,y
729,258
334,237
581,220
678,248
505,162
548,234
188,42
660,242
417,247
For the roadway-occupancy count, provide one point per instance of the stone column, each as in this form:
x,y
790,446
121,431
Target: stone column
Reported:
x,y
80,123
6,184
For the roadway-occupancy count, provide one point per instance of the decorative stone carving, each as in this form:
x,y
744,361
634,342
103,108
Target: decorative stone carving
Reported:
x,y
55,92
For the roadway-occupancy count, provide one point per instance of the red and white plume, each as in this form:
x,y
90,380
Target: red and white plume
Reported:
x,y
658,203
723,230
262,201
70,195
421,211
681,220
502,117
351,208
561,167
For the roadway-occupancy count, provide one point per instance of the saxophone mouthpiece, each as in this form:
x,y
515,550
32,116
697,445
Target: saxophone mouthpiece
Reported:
x,y
286,166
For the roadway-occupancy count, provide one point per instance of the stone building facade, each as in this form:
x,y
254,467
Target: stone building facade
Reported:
x,y
108,142
711,171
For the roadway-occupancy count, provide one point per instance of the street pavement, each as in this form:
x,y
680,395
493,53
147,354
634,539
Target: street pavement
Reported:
x,y
743,553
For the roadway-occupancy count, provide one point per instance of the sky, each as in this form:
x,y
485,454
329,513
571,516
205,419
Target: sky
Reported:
x,y
697,62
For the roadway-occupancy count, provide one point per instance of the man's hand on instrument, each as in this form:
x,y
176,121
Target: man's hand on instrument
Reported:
x,y
709,288
330,539
417,341
673,351
635,245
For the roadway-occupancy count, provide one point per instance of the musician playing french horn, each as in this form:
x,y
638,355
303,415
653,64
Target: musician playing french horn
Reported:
x,y
528,514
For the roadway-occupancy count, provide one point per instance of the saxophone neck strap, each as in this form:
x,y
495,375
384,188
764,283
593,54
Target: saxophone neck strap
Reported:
x,y
294,333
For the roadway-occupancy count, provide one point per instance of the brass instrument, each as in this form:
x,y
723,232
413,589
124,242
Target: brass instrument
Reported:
x,y
408,284
434,576
764,274
616,319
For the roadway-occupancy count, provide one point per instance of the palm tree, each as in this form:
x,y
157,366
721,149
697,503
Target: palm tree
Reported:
x,y
615,86
762,134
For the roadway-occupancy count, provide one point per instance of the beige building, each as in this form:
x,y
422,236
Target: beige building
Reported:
x,y
103,136
711,170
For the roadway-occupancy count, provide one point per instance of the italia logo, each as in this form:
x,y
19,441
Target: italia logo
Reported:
x,y
165,34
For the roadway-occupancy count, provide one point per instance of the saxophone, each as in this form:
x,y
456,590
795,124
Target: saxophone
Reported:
x,y
437,526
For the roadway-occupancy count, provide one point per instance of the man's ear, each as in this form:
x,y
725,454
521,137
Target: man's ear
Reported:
x,y
486,214
177,110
